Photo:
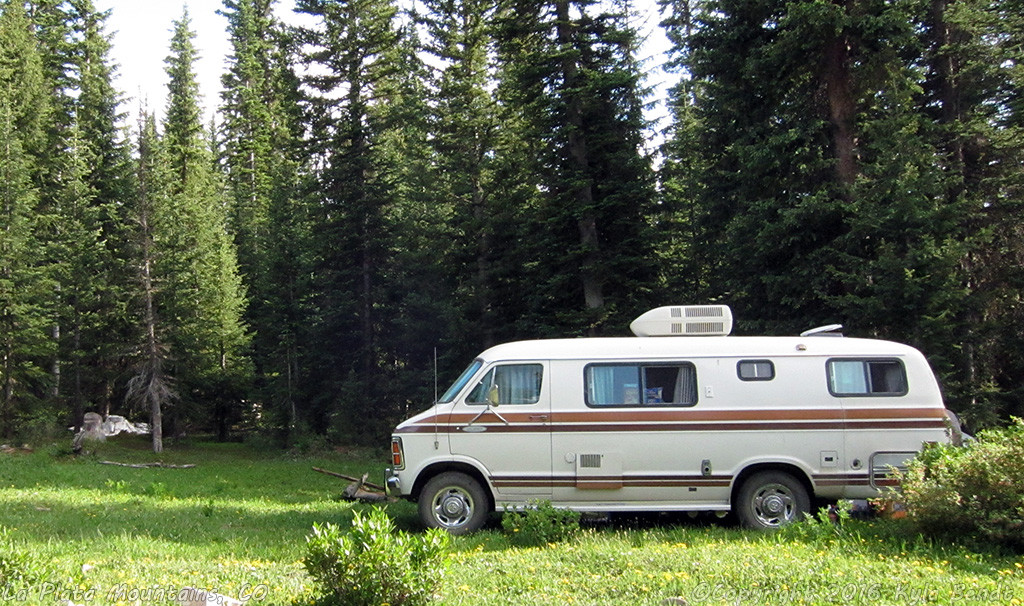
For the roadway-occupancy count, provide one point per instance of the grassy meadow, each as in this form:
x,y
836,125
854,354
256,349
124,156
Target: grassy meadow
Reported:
x,y
236,523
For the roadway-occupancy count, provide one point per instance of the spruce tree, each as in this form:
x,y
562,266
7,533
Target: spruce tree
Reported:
x,y
972,94
27,286
150,385
419,304
817,198
100,273
264,155
466,210
572,73
348,51
201,298
684,256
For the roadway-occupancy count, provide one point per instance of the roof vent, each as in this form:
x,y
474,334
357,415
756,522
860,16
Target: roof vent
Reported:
x,y
832,330
684,321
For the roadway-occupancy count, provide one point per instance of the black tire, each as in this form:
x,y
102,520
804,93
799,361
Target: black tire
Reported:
x,y
455,502
771,499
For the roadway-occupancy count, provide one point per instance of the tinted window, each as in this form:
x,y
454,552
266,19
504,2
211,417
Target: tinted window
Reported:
x,y
867,378
755,370
641,384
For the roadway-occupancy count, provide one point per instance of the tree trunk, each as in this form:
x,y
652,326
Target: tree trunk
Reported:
x,y
586,220
842,106
483,248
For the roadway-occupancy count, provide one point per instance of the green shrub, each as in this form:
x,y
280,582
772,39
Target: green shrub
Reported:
x,y
974,491
374,564
540,524
825,525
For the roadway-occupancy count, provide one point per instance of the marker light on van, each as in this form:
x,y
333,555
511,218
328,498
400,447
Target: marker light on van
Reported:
x,y
397,458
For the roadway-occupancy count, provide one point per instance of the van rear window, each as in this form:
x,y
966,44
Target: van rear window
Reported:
x,y
866,378
641,384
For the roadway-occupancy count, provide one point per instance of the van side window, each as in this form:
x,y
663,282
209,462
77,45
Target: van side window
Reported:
x,y
641,384
867,378
517,384
755,370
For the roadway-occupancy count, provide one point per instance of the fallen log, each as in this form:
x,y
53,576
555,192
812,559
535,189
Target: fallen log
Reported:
x,y
351,479
358,489
148,465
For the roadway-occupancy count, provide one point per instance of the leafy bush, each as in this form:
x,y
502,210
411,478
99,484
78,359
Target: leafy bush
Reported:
x,y
540,524
972,491
825,525
374,564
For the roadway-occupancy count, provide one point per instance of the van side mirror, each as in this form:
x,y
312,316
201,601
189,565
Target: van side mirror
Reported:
x,y
492,395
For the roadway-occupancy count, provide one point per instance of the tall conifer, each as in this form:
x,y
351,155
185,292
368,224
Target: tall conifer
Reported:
x,y
573,74
27,286
468,208
349,50
268,219
201,298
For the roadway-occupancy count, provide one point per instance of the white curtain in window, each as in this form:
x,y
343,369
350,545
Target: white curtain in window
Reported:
x,y
601,385
848,377
519,384
686,386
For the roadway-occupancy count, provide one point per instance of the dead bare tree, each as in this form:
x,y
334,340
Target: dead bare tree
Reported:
x,y
150,386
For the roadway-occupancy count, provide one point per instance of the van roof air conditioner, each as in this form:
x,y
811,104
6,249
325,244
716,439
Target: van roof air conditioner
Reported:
x,y
684,321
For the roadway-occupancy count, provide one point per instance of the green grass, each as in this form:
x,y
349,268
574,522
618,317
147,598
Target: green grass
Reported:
x,y
237,522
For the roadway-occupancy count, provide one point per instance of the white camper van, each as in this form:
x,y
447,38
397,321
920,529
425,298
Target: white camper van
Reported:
x,y
681,417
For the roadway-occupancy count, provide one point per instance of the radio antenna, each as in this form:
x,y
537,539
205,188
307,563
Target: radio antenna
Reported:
x,y
435,399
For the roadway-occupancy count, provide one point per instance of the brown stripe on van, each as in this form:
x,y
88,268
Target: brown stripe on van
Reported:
x,y
626,481
895,413
634,415
679,427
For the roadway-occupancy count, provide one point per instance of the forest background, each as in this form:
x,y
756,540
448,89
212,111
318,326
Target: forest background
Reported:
x,y
391,185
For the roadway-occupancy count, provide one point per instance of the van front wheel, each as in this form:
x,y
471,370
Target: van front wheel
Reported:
x,y
771,499
455,502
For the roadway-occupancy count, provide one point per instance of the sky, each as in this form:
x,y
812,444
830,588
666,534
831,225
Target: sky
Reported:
x,y
142,32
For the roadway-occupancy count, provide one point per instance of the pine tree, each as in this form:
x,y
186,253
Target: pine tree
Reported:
x,y
348,50
201,299
573,75
972,93
264,156
26,285
465,124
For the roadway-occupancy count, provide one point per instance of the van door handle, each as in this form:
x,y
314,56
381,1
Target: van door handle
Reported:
x,y
538,417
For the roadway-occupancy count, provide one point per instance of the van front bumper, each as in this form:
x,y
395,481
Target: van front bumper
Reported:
x,y
392,482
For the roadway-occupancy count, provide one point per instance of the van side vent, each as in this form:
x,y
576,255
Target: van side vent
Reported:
x,y
591,461
684,320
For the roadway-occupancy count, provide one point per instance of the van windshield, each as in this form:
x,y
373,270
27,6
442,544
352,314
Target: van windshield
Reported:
x,y
460,382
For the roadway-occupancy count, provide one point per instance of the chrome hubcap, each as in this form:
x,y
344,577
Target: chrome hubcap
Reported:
x,y
453,507
774,505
